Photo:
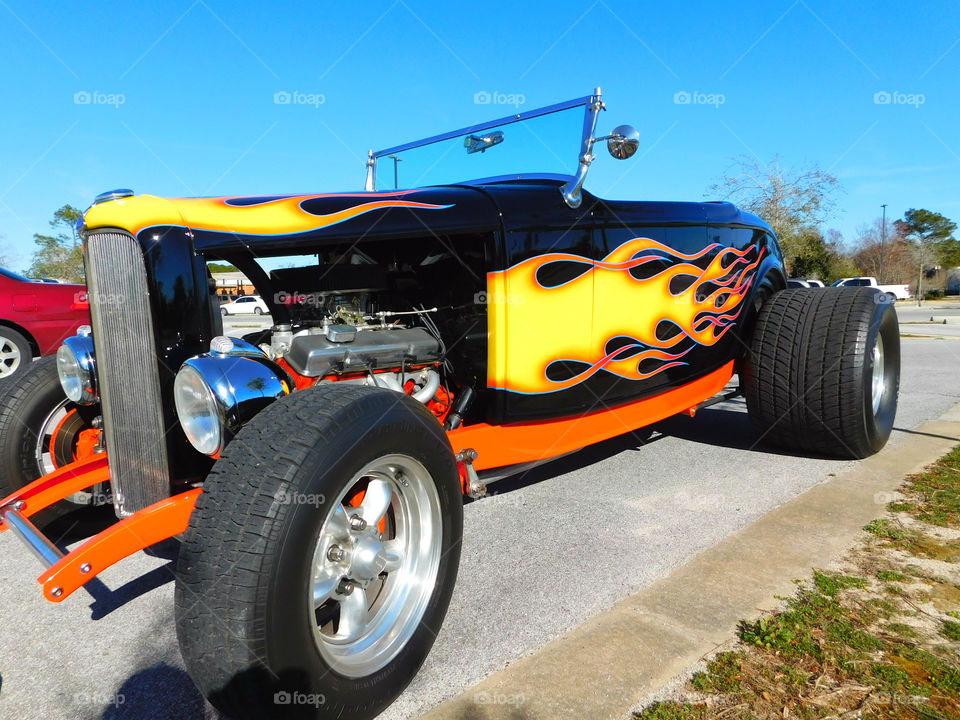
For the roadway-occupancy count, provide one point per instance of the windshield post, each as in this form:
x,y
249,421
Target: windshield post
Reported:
x,y
571,189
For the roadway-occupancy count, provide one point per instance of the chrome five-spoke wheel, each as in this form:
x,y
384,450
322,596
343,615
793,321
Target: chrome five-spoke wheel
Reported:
x,y
375,565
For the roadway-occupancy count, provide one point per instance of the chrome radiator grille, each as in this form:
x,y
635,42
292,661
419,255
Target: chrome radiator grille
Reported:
x,y
127,371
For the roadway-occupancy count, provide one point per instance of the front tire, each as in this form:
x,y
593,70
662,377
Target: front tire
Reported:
x,y
287,605
39,429
823,373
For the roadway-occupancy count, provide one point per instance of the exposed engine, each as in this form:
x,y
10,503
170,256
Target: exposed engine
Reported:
x,y
379,313
351,346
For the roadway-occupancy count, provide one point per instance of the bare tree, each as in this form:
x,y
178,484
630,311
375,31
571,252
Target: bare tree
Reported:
x,y
792,201
886,256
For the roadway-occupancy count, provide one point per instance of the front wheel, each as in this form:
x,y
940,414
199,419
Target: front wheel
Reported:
x,y
41,431
321,557
223,312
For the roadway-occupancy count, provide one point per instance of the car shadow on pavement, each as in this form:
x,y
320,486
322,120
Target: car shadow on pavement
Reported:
x,y
105,600
925,434
727,427
720,426
161,692
573,461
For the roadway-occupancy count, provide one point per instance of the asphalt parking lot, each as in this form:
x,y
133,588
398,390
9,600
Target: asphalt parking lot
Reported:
x,y
545,552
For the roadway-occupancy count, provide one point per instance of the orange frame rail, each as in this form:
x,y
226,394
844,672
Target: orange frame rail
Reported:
x,y
502,445
157,522
160,521
60,484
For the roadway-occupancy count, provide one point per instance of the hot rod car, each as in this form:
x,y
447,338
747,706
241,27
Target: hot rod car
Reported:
x,y
424,341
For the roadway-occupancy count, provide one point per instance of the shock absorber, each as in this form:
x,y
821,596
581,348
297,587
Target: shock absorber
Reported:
x,y
460,407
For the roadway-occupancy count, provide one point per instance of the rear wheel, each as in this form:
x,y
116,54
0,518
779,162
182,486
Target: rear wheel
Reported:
x,y
320,560
824,371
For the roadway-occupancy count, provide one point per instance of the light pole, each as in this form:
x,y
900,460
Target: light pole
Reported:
x,y
883,241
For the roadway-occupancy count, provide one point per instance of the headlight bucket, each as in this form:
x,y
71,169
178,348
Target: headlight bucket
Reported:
x,y
217,393
77,368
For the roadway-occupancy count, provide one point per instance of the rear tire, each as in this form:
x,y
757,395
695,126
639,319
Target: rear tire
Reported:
x,y
810,380
254,636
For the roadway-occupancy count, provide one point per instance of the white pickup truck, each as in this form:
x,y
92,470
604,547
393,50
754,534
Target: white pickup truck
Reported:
x,y
894,292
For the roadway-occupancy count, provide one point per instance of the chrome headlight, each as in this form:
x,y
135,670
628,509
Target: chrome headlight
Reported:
x,y
77,368
216,393
198,410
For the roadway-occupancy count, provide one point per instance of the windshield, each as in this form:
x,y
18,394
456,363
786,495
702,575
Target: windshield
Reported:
x,y
540,142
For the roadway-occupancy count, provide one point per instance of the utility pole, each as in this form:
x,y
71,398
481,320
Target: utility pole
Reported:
x,y
883,241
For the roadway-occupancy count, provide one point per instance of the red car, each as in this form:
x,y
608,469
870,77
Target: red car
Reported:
x,y
35,318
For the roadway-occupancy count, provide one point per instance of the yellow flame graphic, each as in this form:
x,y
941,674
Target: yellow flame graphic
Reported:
x,y
278,216
607,318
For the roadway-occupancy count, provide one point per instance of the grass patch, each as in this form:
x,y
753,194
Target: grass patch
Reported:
x,y
675,711
891,576
936,491
950,630
722,674
903,631
913,541
886,529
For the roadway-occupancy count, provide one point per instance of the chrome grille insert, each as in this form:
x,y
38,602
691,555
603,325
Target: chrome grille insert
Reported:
x,y
127,369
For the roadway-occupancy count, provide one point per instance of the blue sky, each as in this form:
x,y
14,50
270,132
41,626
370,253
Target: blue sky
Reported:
x,y
197,81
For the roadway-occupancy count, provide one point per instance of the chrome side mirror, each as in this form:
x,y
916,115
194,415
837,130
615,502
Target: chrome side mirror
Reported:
x,y
623,142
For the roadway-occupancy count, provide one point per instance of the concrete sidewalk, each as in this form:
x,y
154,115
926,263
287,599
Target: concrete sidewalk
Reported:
x,y
608,665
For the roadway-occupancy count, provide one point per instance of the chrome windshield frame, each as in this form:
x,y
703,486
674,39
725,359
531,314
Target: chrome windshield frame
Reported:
x,y
592,104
